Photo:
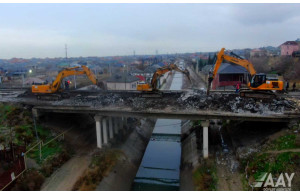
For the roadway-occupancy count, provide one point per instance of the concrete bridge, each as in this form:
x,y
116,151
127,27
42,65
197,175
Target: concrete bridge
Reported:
x,y
168,113
110,120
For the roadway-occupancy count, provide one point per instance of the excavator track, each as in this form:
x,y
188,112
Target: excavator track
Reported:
x,y
52,96
257,94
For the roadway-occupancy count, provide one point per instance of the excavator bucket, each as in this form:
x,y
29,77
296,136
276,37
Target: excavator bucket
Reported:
x,y
187,73
210,79
102,85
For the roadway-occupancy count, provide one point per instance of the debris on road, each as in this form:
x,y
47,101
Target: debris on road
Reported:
x,y
192,100
234,103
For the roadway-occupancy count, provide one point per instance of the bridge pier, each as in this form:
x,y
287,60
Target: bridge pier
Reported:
x,y
205,125
120,125
104,127
104,130
98,131
124,124
124,121
116,128
110,127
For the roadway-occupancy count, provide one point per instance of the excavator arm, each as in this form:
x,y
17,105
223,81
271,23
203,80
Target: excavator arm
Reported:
x,y
157,74
259,86
163,70
236,60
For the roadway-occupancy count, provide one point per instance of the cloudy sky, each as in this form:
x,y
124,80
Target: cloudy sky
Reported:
x,y
42,30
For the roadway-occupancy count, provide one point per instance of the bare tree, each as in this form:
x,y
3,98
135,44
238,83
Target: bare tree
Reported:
x,y
261,64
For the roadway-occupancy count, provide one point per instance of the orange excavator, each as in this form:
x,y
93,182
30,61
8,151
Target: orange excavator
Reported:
x,y
55,89
152,87
260,86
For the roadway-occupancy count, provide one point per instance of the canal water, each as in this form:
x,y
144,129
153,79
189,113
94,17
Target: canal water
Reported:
x,y
160,166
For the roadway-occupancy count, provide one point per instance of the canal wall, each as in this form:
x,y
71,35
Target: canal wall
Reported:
x,y
123,173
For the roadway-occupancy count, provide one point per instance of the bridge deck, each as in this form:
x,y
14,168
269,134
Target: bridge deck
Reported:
x,y
170,113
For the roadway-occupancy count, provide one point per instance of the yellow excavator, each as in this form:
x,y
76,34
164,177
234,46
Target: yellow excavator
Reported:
x,y
152,87
55,89
260,86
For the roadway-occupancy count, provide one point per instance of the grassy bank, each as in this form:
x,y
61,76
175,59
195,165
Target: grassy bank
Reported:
x,y
281,155
101,165
205,177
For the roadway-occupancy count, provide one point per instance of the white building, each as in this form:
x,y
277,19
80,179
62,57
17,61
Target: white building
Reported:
x,y
122,82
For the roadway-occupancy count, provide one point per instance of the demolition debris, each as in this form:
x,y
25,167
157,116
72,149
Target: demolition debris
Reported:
x,y
186,101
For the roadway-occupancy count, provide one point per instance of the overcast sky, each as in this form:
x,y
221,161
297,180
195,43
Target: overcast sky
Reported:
x,y
42,30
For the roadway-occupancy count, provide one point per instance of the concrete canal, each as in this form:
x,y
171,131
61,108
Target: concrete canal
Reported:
x,y
160,166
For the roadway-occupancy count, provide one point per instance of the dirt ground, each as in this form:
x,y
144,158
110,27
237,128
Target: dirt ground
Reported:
x,y
83,143
229,179
65,177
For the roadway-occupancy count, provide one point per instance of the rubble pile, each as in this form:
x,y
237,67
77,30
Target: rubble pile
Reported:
x,y
187,101
136,103
234,103
99,100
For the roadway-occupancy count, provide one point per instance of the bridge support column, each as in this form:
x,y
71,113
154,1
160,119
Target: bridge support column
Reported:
x,y
205,125
110,127
121,122
104,125
98,131
124,121
116,126
124,124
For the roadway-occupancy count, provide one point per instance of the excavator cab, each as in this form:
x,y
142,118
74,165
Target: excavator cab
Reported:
x,y
258,80
262,82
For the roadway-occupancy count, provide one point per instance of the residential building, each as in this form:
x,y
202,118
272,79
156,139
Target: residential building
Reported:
x,y
258,53
139,74
289,47
228,76
122,82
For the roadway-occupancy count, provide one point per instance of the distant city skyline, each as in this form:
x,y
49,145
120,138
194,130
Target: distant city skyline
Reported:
x,y
43,30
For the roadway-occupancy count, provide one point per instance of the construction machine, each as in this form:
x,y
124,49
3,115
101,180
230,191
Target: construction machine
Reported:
x,y
54,89
260,86
152,87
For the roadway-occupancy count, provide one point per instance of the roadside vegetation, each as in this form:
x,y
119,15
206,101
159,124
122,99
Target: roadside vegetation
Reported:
x,y
17,127
281,155
205,177
101,165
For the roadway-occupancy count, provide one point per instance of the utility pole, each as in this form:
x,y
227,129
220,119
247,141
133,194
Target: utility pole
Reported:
x,y
66,49
75,82
109,69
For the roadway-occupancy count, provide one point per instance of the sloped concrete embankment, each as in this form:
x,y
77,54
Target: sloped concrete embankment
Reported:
x,y
122,175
